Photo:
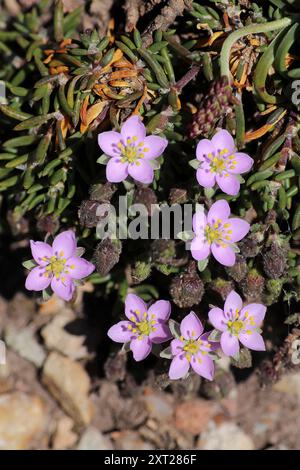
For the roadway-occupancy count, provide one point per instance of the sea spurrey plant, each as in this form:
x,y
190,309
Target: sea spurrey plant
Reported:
x,y
145,326
217,233
131,152
57,266
220,163
238,324
192,349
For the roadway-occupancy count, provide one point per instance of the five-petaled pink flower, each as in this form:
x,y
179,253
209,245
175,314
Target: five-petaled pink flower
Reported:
x,y
238,324
143,327
57,266
192,349
131,151
221,163
217,233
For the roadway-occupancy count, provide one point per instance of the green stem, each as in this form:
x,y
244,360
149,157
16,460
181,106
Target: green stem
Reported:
x,y
250,29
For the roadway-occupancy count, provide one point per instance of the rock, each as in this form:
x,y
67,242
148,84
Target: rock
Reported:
x,y
92,439
69,384
53,306
64,437
22,418
3,313
159,405
57,338
129,440
193,416
289,384
21,310
227,436
25,344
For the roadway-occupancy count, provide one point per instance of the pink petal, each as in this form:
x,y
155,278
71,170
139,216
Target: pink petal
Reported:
x,y
200,248
133,303
199,221
116,170
36,279
64,245
233,303
120,332
219,210
140,348
257,311
223,140
133,127
179,367
225,255
63,287
203,148
252,341
191,326
243,164
161,334
176,346
108,142
229,344
41,250
228,183
205,368
141,171
154,146
239,228
217,319
160,310
79,268
205,177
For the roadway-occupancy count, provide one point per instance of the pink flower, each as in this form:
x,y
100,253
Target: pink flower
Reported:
x,y
131,151
221,163
57,266
192,349
217,233
143,327
238,324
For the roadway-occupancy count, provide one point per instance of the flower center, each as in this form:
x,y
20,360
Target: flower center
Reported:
x,y
131,152
218,233
142,325
192,346
56,266
235,326
220,162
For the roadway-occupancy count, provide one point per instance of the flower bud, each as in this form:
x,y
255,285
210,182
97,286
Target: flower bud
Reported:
x,y
139,271
275,261
187,288
107,255
145,196
239,270
88,213
215,104
253,286
221,287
